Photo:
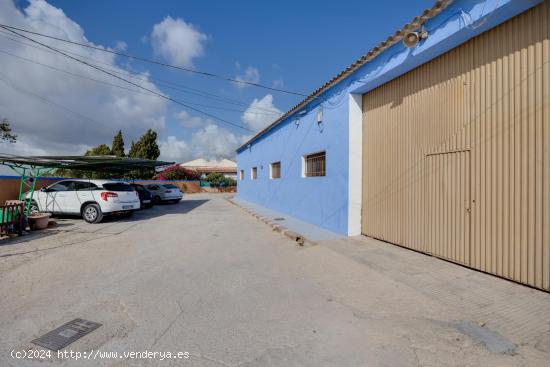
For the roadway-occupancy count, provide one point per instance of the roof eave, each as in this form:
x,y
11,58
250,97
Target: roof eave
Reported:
x,y
415,24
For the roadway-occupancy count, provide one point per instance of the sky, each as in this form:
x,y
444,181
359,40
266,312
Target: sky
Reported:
x,y
59,106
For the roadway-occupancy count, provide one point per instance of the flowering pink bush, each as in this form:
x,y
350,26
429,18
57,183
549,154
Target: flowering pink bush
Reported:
x,y
176,172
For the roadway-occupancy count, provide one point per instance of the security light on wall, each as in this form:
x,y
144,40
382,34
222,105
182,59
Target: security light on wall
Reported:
x,y
320,116
412,39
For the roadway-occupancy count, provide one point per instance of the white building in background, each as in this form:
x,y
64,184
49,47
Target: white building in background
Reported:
x,y
204,167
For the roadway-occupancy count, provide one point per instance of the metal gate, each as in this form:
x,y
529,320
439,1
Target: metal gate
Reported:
x,y
486,105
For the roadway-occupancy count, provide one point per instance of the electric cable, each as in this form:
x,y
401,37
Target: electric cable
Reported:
x,y
165,83
120,86
155,62
132,83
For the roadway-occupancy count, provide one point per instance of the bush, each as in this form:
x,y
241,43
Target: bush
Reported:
x,y
217,179
174,173
230,182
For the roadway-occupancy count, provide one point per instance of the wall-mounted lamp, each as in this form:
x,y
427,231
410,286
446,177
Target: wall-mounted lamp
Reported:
x,y
297,122
320,116
412,39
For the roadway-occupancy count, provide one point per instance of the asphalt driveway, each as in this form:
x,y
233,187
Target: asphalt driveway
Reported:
x,y
203,278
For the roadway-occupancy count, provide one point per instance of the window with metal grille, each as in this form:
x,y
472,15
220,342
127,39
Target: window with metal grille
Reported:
x,y
315,165
275,170
241,176
254,173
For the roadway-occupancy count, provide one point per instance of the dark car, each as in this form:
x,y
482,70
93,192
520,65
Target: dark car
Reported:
x,y
145,197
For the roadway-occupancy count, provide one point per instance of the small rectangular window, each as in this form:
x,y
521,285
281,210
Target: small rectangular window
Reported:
x,y
315,165
275,170
241,175
254,173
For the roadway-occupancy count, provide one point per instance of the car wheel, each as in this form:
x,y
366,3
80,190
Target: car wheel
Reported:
x,y
92,213
156,200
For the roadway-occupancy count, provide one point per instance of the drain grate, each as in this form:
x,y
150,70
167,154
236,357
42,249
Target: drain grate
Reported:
x,y
279,219
66,334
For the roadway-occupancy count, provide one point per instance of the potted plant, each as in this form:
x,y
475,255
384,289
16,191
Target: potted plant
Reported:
x,y
38,220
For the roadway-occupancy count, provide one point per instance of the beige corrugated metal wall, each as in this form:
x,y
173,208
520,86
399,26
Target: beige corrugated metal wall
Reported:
x,y
456,158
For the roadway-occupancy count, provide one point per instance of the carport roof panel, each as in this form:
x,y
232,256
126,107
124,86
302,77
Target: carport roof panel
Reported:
x,y
84,163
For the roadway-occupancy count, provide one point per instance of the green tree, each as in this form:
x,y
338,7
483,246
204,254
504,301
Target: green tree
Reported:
x,y
101,149
146,147
215,178
117,147
6,133
133,150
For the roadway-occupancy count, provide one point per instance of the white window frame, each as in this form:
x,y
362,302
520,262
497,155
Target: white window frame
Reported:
x,y
304,164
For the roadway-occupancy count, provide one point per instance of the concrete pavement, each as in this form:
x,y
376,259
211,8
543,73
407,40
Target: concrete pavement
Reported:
x,y
203,277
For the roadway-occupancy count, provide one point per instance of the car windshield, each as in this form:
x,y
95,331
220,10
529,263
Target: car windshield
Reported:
x,y
115,186
170,186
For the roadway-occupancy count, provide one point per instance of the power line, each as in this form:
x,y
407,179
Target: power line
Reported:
x,y
165,83
47,101
116,85
72,74
130,82
155,62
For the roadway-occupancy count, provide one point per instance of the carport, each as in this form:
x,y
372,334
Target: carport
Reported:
x,y
31,168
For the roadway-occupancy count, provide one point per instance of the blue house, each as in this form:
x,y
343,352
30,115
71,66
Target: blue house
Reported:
x,y
436,140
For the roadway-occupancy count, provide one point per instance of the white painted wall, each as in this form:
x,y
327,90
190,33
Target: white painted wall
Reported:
x,y
355,163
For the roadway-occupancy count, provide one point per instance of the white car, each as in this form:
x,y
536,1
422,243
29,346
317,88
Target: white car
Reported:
x,y
165,192
92,199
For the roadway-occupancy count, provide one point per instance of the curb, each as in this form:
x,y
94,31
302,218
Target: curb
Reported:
x,y
277,227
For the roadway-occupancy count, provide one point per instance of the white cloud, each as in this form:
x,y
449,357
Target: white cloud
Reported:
x,y
210,142
261,113
99,110
177,41
215,142
278,83
121,46
173,149
249,75
190,122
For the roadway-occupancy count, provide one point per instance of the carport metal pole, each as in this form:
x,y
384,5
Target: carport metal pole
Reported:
x,y
24,172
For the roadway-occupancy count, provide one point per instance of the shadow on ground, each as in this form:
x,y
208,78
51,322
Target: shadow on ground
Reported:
x,y
110,225
183,207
